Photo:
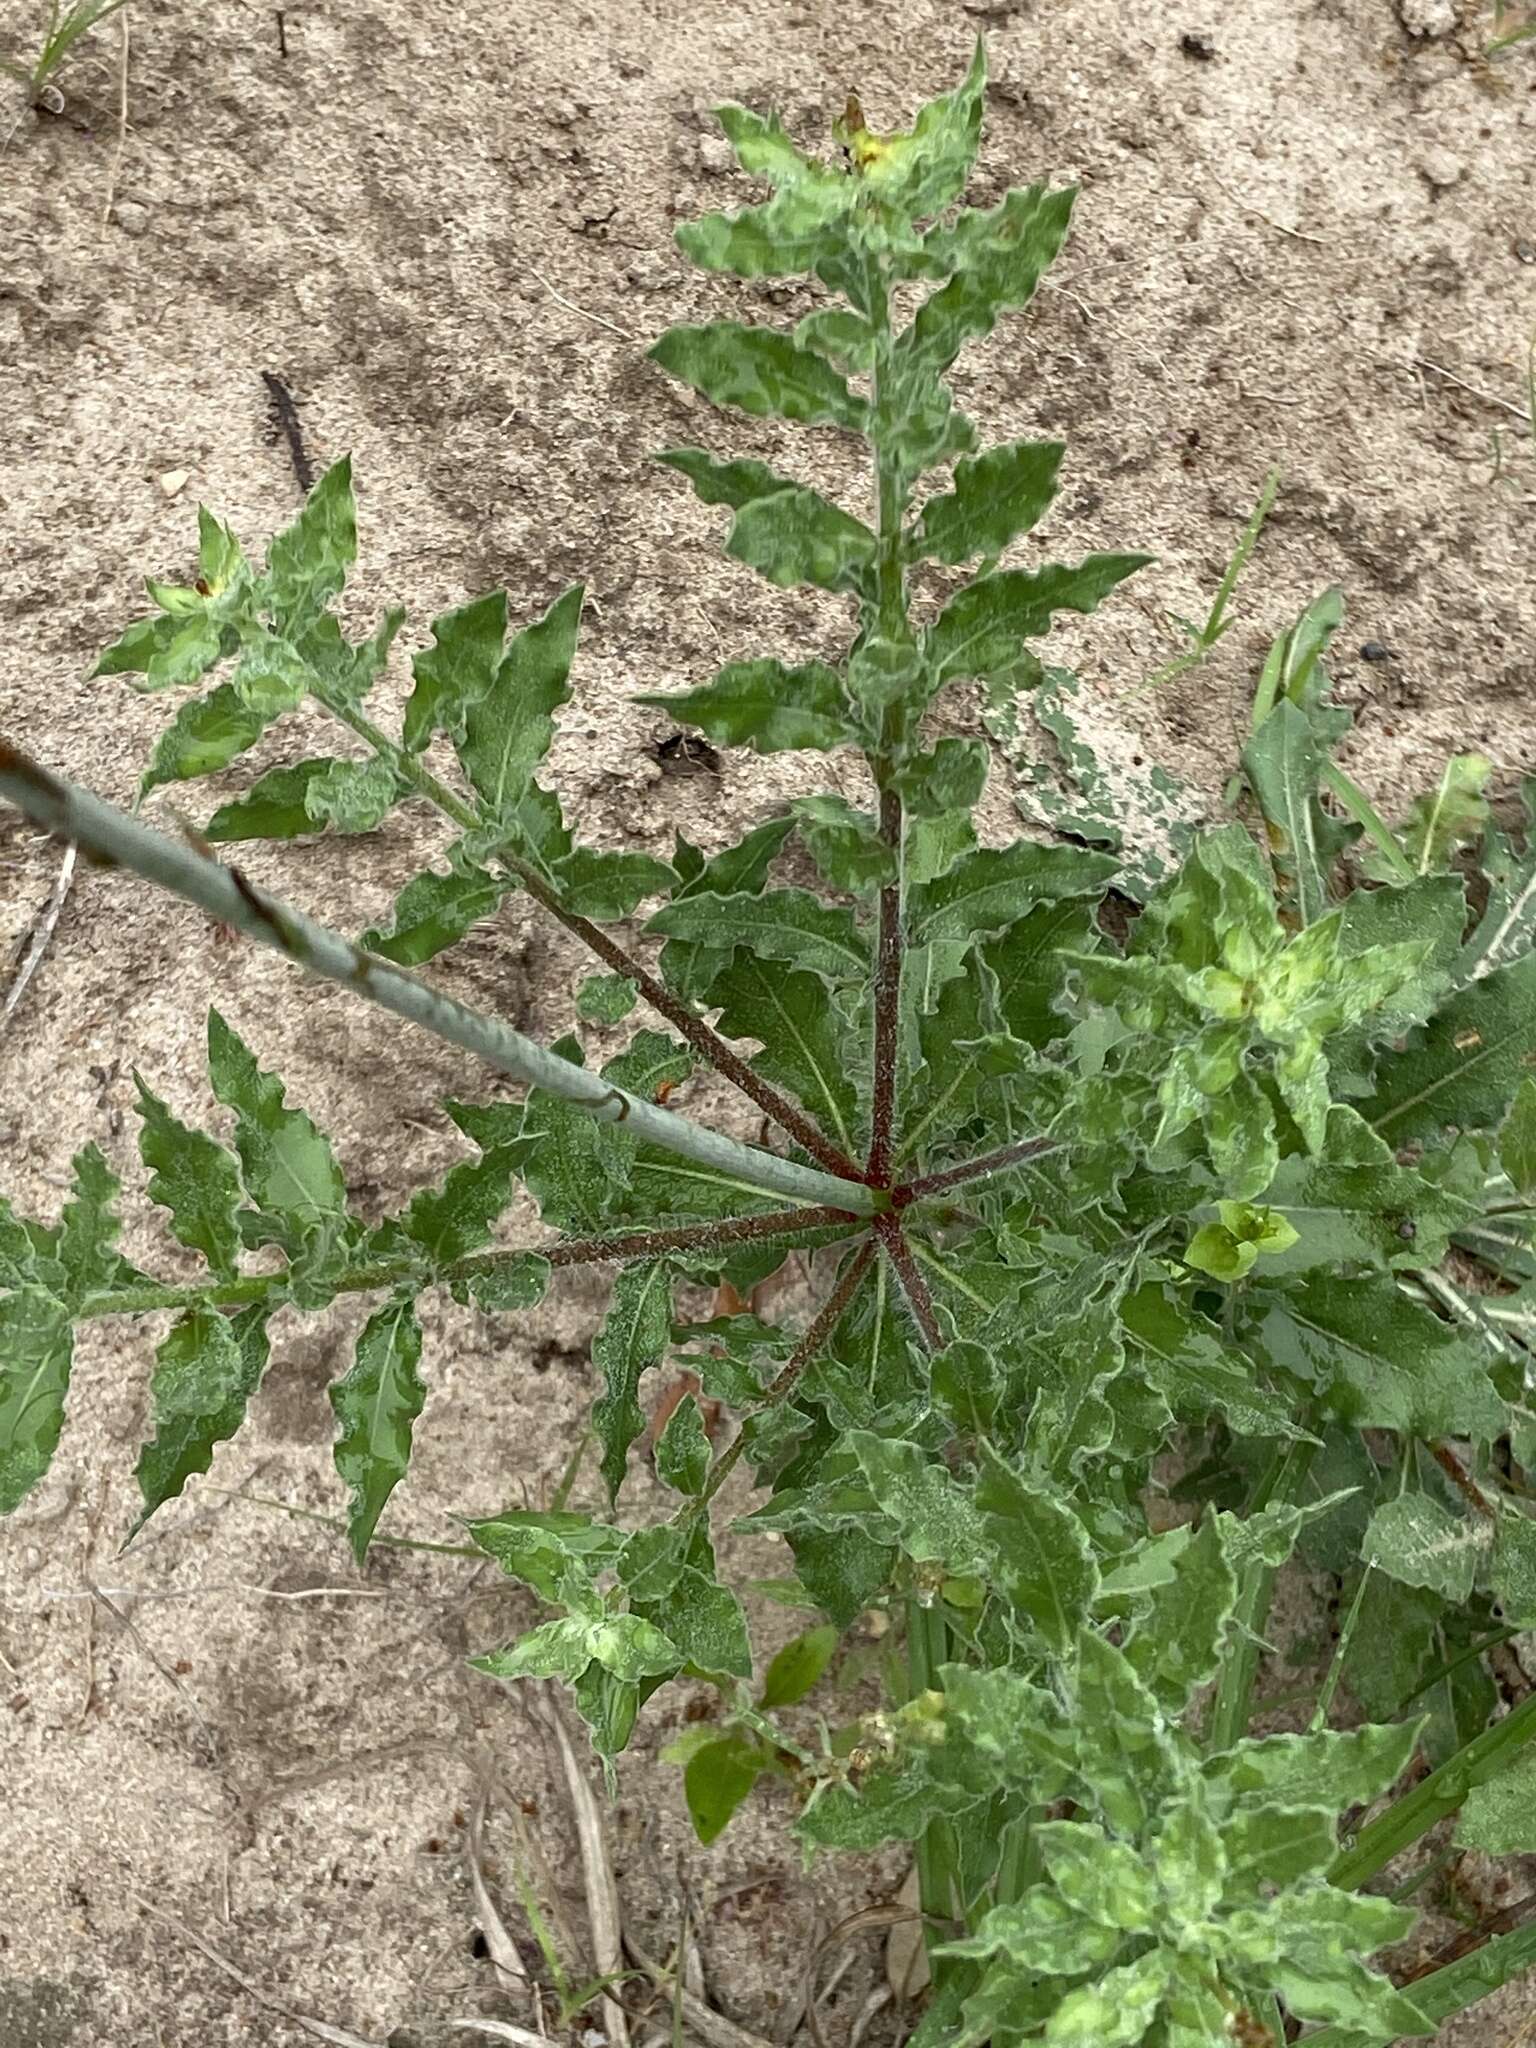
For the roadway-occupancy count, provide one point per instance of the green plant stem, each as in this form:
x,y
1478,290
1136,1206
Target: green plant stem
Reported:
x,y
1232,1707
576,1251
937,1868
116,840
705,1041
887,1001
1370,820
1442,1793
827,1319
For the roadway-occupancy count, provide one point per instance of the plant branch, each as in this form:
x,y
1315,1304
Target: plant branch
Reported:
x,y
575,1251
914,1286
973,1169
705,1041
113,839
827,1319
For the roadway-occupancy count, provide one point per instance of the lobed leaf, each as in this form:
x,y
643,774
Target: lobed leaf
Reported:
x,y
983,627
36,1351
194,1177
457,669
760,371
307,563
633,1338
206,1371
433,912
995,498
509,726
1465,1068
767,706
781,924
376,1404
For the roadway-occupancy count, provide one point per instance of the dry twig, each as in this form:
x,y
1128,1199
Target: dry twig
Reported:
x,y
42,932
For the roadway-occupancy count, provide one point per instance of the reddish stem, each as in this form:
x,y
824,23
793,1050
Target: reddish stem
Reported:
x,y
887,1002
707,1043
1461,1479
688,1237
973,1169
914,1286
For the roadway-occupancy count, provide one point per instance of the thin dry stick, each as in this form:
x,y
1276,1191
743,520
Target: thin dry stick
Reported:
x,y
502,1949
42,932
1487,397
571,306
122,116
337,2036
597,1868
126,1622
712,2027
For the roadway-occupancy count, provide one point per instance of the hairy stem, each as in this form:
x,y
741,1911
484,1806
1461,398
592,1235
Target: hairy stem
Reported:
x,y
575,1251
914,1286
974,1169
706,1042
827,1319
113,839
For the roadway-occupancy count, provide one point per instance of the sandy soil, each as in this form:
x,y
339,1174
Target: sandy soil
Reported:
x,y
1307,236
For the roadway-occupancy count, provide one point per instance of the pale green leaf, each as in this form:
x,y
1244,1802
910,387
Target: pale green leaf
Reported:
x,y
996,497
605,886
307,563
767,706
782,924
1500,1815
796,537
36,1348
508,728
1419,1541
457,669
682,1449
433,912
1283,762
289,1170
761,371
983,627
633,1338
606,998
204,736
1046,1566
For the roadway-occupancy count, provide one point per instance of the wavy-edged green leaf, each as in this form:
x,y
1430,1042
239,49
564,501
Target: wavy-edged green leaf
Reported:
x,y
1177,1643
807,1046
798,1667
348,669
768,706
735,483
682,1449
606,885
1418,1541
1182,1356
633,1338
86,1246
1500,1815
1465,1067
194,1177
781,924
36,1351
307,563
1379,1360
1045,1562
206,1371
276,806
577,1170
984,626
352,796
561,1555
797,536
458,668
168,651
1444,819
606,998
934,1516
995,497
996,886
761,372
433,912
997,258
508,727
205,736
845,336
376,1404
448,1222
290,1172
794,230
844,842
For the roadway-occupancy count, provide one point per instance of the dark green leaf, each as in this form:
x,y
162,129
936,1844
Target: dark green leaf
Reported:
x,y
1031,963
508,728
798,1667
997,258
433,912
1276,1845
1508,927
682,1449
206,1371
449,1222
782,924
1465,1068
767,706
1379,1360
169,651
288,1167
633,1337
606,998
996,886
996,497
195,1178
716,1779
735,483
606,886
457,669
761,371
377,1404
934,1517
515,1282
1178,1641
844,843
87,1240
1284,762
796,536
1517,1140
807,1046
276,806
983,627
1500,1816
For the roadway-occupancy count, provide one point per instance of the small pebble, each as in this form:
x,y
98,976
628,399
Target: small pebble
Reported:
x,y
1198,46
1373,650
1525,251
1440,168
173,482
715,153
130,216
